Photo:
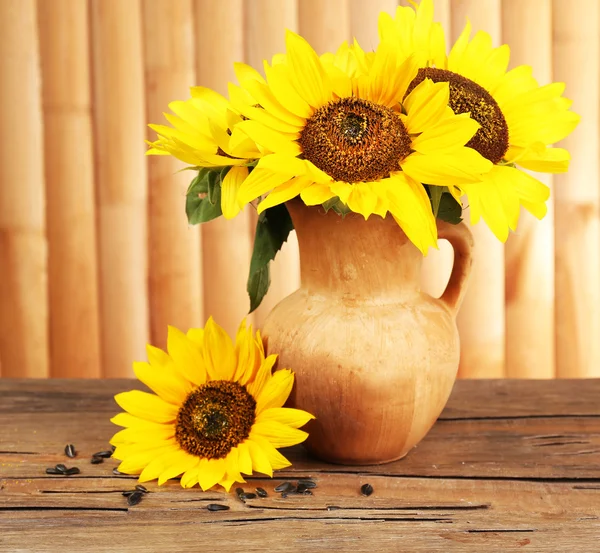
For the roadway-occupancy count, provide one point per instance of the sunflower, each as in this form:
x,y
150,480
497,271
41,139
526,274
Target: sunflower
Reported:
x,y
519,120
204,134
216,411
335,127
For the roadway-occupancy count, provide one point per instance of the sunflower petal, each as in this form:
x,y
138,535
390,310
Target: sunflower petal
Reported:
x,y
147,406
229,191
164,384
276,390
278,434
426,105
187,356
284,192
276,459
244,458
180,464
210,472
262,376
285,415
219,354
260,460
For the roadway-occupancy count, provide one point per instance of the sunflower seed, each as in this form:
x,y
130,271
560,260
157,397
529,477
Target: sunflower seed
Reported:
x,y
70,451
61,468
309,484
134,498
239,491
127,493
217,507
96,460
333,508
307,492
284,495
245,496
366,489
53,470
261,492
285,487
301,488
117,473
141,488
72,470
104,454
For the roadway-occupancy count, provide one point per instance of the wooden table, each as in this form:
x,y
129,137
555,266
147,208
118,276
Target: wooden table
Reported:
x,y
510,465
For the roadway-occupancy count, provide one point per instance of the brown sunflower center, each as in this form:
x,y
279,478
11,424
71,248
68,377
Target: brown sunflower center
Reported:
x,y
355,140
215,418
491,140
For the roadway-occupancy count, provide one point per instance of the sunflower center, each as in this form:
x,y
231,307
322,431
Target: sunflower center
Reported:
x,y
491,140
215,418
355,140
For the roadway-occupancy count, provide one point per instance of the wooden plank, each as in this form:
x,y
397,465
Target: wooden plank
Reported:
x,y
175,276
69,176
472,485
363,20
23,252
266,22
576,47
470,398
226,244
324,24
481,318
119,126
488,430
529,271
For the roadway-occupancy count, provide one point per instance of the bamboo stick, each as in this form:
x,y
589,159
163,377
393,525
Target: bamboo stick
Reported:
x,y
576,58
23,251
481,318
226,244
175,275
363,20
70,210
119,120
324,24
529,272
267,21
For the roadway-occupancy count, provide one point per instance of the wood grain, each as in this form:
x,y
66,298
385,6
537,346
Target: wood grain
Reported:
x,y
576,47
324,24
175,275
266,23
70,196
481,321
121,176
24,342
226,244
498,472
529,252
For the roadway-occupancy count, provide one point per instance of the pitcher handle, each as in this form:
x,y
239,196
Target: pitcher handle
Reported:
x,y
461,240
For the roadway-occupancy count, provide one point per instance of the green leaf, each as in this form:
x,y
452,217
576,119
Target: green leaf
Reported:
x,y
272,230
341,208
258,286
203,198
436,193
449,209
330,203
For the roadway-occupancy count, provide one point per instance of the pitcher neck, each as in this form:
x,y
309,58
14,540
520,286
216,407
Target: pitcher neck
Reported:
x,y
351,256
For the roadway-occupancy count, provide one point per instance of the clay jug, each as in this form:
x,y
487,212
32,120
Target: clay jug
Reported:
x,y
375,357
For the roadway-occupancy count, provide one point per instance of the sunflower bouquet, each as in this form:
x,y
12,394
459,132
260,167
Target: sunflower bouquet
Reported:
x,y
406,130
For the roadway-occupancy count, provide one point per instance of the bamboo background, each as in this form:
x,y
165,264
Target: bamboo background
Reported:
x,y
96,257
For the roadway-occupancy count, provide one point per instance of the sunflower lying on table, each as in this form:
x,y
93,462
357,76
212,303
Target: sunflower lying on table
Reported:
x,y
217,414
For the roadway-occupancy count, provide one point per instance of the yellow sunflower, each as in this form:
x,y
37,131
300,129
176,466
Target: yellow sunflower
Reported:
x,y
519,120
335,127
204,134
216,411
